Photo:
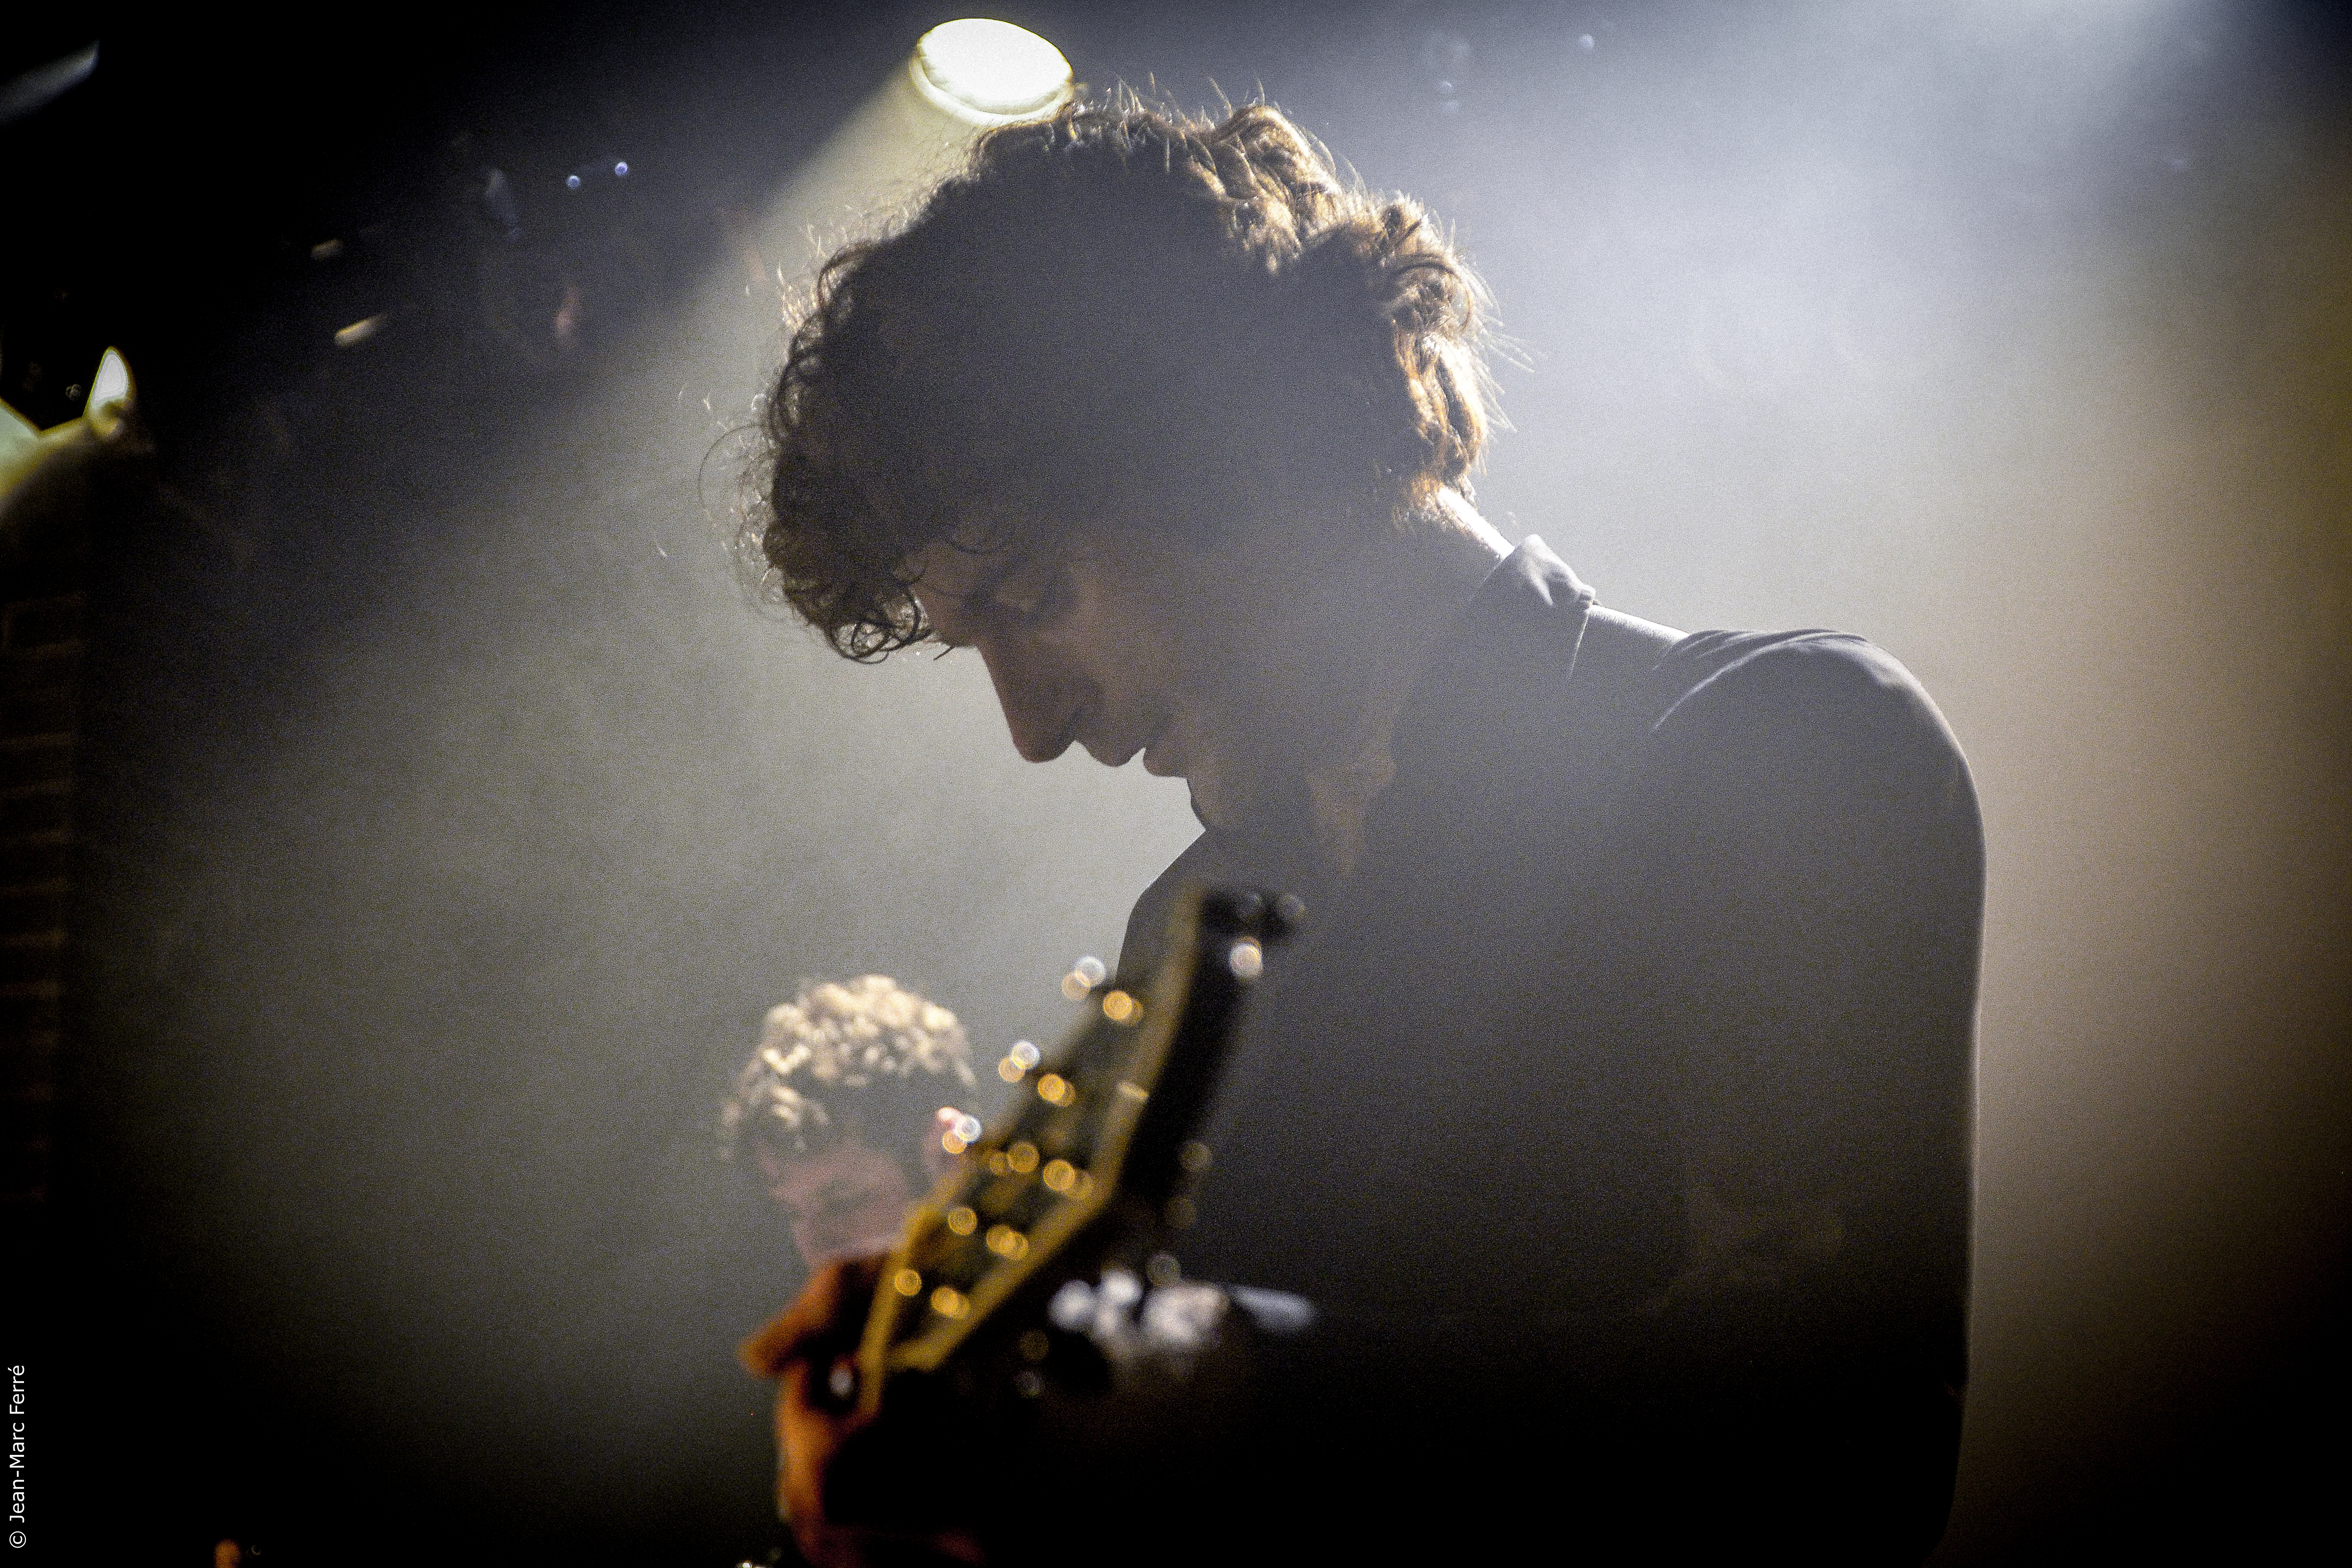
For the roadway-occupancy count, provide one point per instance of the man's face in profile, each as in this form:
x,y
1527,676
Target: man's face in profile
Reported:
x,y
847,1199
1126,646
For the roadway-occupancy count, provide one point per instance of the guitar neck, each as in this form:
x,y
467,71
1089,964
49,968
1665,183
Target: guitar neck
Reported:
x,y
1099,1137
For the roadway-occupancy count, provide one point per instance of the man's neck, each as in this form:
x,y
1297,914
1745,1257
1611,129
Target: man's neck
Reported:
x,y
1408,590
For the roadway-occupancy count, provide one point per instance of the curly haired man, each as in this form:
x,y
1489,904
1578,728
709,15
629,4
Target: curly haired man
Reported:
x,y
1613,1111
844,1106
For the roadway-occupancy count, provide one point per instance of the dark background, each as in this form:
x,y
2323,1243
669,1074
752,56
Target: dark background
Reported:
x,y
448,818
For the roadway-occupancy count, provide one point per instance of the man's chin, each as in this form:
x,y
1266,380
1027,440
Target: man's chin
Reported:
x,y
1274,815
1218,809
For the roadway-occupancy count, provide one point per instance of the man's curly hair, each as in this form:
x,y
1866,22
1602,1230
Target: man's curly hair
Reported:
x,y
1117,315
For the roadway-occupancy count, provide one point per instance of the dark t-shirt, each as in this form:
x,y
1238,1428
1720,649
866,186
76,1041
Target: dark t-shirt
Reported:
x,y
1615,1113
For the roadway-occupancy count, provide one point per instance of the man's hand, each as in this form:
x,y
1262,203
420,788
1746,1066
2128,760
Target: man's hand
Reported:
x,y
808,1349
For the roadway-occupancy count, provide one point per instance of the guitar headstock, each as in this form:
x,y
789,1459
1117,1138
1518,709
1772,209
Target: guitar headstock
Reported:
x,y
1099,1129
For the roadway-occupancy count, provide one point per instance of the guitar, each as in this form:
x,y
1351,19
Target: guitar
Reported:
x,y
1087,1173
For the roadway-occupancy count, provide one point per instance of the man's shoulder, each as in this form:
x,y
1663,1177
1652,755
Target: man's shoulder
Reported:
x,y
1829,665
1633,708
1811,753
1830,693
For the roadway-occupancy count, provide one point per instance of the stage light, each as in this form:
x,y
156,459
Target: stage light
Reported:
x,y
989,73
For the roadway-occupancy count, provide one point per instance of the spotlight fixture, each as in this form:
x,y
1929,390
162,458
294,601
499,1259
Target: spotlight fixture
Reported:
x,y
989,73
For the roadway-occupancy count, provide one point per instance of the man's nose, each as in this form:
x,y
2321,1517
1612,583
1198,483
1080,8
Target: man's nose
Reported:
x,y
1041,702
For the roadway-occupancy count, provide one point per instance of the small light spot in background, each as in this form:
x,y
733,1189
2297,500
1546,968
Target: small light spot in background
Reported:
x,y
568,316
621,170
326,250
358,333
1585,43
571,182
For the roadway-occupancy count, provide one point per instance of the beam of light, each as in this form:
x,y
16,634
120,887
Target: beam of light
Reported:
x,y
23,96
915,128
962,77
989,73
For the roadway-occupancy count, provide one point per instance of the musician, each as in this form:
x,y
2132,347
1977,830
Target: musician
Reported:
x,y
844,1107
1613,1108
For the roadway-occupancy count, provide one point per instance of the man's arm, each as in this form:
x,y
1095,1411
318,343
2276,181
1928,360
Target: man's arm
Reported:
x,y
1811,899
1814,905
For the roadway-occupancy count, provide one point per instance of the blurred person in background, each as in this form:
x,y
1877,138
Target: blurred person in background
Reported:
x,y
842,1110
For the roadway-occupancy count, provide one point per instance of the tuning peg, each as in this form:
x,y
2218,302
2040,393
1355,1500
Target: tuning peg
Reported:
x,y
1083,977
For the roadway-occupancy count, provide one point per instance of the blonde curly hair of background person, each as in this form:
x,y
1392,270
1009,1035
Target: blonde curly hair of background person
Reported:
x,y
836,1039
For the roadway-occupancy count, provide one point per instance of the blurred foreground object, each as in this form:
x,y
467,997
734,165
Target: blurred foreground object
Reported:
x,y
24,448
55,484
